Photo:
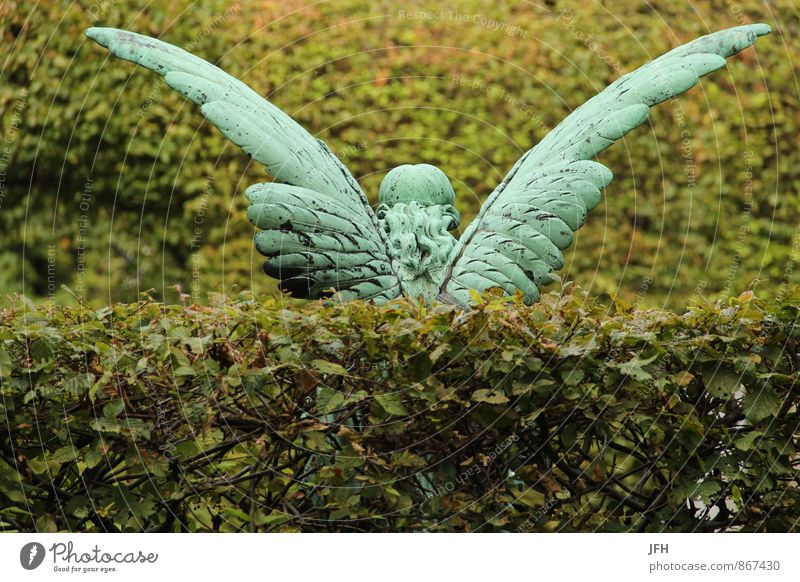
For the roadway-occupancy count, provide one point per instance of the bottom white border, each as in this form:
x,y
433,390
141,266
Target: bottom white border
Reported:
x,y
417,557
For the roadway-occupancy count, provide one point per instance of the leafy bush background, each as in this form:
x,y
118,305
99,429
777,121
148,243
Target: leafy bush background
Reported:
x,y
243,416
175,413
113,184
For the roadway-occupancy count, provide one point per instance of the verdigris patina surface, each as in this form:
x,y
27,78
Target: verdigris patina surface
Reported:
x,y
320,234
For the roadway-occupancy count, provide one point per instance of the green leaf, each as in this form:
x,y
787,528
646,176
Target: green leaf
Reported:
x,y
438,351
328,399
94,454
316,441
573,377
721,381
98,385
38,465
706,490
141,365
569,435
105,425
185,371
236,515
79,384
113,408
46,524
635,368
392,404
420,365
349,458
65,454
760,404
197,344
748,441
489,396
327,367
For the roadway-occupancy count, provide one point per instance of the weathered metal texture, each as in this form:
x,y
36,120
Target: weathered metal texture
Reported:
x,y
416,211
320,234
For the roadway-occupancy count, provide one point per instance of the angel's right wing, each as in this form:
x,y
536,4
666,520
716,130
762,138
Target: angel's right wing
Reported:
x,y
516,240
319,230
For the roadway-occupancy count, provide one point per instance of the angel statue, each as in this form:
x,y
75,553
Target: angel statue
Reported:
x,y
321,236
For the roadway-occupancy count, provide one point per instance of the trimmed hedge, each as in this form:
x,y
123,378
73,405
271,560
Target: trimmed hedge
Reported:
x,y
706,197
250,416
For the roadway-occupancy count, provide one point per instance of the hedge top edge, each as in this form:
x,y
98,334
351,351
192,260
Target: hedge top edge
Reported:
x,y
322,238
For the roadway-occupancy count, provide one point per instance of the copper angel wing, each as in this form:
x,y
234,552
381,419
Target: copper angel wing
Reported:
x,y
319,232
516,240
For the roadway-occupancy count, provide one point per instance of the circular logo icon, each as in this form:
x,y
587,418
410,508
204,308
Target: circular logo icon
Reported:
x,y
31,555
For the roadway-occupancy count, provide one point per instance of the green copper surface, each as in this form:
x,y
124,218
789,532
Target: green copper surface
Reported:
x,y
321,236
421,183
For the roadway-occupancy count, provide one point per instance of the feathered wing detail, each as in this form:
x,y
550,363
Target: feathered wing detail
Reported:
x,y
516,240
319,230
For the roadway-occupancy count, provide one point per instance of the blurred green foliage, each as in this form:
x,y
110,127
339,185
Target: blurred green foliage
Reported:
x,y
113,184
243,416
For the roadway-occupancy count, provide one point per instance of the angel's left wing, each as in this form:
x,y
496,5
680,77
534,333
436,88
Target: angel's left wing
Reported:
x,y
516,240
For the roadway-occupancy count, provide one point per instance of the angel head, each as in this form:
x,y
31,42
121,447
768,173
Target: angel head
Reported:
x,y
416,212
422,184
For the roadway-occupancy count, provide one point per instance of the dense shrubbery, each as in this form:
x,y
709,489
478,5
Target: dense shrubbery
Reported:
x,y
696,204
260,415
249,416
